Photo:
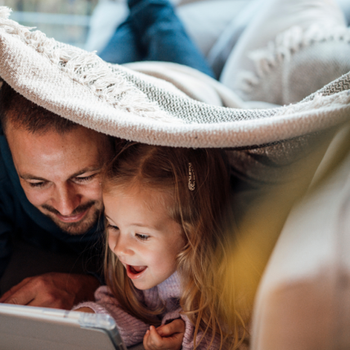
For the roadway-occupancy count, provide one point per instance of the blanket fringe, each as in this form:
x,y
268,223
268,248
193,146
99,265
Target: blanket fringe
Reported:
x,y
5,12
319,101
283,47
88,69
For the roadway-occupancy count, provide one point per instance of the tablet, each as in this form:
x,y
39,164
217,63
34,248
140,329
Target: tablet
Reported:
x,y
36,328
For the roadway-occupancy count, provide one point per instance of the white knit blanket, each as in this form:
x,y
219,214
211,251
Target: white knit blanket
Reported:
x,y
123,102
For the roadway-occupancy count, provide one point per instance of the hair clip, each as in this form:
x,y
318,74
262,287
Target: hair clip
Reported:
x,y
191,178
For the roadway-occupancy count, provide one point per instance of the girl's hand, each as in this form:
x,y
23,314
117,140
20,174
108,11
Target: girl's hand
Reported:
x,y
167,336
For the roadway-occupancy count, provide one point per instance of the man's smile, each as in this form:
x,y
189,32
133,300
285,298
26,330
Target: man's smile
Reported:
x,y
72,218
77,215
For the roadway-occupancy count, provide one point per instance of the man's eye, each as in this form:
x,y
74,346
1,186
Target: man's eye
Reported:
x,y
36,184
84,178
142,237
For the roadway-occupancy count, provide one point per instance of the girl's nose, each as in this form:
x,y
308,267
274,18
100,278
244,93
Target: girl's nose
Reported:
x,y
123,246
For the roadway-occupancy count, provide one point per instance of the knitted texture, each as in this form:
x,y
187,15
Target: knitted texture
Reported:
x,y
133,330
295,64
118,101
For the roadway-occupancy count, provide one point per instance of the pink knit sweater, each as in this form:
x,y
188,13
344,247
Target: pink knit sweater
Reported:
x,y
132,329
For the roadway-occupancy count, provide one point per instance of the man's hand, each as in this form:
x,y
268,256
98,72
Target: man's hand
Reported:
x,y
55,290
85,309
167,336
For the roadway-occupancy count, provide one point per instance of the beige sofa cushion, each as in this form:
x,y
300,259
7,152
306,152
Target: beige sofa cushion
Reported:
x,y
290,49
303,301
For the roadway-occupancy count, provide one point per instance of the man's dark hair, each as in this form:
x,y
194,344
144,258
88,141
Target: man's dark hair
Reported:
x,y
25,114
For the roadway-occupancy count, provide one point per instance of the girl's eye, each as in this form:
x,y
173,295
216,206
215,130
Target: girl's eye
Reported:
x,y
112,227
142,237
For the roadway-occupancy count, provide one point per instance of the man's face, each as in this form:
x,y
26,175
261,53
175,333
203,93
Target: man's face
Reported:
x,y
60,173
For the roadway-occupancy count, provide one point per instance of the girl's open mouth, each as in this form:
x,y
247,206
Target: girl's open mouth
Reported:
x,y
135,271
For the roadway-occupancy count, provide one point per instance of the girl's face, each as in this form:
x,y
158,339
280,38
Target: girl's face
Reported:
x,y
142,235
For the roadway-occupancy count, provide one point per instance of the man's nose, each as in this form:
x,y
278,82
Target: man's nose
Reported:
x,y
66,199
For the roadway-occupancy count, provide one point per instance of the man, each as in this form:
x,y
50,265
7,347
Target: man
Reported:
x,y
50,196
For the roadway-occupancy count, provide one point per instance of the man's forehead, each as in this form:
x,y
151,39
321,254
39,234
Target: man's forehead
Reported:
x,y
70,152
50,132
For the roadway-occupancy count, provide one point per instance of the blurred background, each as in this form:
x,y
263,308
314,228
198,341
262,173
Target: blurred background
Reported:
x,y
65,20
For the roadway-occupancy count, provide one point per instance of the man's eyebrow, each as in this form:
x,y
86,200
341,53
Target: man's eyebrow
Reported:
x,y
85,170
78,173
31,177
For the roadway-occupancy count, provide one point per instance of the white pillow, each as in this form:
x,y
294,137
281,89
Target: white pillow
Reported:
x,y
206,20
106,17
297,24
345,6
218,54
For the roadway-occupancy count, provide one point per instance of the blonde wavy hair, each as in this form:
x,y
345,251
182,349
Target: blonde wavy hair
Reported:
x,y
203,213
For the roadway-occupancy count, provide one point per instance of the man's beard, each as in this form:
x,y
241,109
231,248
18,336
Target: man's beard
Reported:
x,y
80,227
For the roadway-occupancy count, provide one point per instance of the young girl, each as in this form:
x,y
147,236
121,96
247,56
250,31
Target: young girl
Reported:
x,y
165,264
